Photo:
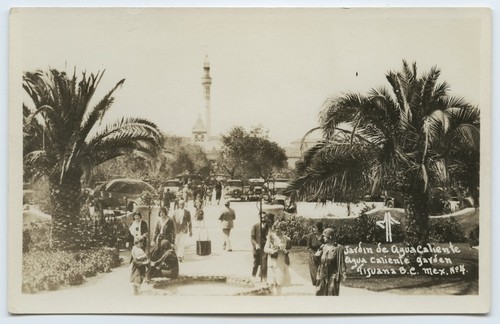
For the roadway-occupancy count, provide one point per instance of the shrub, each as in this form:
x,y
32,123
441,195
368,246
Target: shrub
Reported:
x,y
365,229
39,234
474,236
40,195
447,229
49,270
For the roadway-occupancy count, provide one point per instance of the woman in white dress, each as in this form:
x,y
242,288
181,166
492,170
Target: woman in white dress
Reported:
x,y
277,247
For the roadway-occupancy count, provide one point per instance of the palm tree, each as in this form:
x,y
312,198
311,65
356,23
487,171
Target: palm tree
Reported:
x,y
410,139
73,142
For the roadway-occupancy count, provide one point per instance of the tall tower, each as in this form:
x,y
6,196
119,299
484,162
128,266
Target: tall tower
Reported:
x,y
206,81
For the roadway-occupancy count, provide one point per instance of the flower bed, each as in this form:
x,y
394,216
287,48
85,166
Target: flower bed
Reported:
x,y
49,270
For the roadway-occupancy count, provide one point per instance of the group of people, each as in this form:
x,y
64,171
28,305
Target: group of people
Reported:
x,y
271,249
163,262
198,193
169,240
272,256
168,245
326,257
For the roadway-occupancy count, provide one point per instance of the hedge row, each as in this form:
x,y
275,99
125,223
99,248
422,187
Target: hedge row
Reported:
x,y
49,270
364,229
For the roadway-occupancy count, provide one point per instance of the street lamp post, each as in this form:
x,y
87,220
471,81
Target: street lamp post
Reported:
x,y
261,253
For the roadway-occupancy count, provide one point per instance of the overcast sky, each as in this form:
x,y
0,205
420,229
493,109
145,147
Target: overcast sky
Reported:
x,y
268,67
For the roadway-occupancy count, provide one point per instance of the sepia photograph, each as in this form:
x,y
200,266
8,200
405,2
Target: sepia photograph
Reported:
x,y
249,160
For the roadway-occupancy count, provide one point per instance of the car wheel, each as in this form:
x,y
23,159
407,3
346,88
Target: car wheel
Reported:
x,y
389,204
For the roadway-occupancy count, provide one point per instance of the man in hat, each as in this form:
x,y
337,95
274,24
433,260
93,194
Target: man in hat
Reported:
x,y
258,237
227,218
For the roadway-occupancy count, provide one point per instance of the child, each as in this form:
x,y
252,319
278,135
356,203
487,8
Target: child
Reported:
x,y
139,261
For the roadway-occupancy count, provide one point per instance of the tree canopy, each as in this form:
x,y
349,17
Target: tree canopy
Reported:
x,y
250,154
411,138
73,141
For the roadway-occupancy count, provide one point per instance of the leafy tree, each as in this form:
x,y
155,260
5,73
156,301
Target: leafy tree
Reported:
x,y
73,143
185,156
126,166
250,154
413,138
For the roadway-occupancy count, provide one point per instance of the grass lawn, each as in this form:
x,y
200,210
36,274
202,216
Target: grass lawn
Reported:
x,y
418,284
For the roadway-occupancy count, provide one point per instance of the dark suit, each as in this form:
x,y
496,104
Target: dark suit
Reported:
x,y
259,257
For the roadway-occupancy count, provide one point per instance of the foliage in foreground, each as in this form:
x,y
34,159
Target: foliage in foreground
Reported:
x,y
99,233
64,139
412,138
364,229
50,270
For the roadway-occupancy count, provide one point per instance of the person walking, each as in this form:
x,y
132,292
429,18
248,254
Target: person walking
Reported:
x,y
258,234
185,193
183,226
314,242
138,228
278,260
165,228
227,218
218,192
167,198
199,213
332,267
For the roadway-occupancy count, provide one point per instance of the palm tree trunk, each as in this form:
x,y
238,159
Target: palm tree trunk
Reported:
x,y
417,229
66,209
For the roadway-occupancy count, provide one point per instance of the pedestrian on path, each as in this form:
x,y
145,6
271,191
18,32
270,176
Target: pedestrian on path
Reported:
x,y
139,261
199,213
227,218
165,227
138,228
332,267
183,227
258,235
278,261
314,242
218,192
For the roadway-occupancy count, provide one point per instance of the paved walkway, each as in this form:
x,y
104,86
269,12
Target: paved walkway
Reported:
x,y
237,264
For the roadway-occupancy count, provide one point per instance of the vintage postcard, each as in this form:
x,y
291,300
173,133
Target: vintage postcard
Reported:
x,y
249,160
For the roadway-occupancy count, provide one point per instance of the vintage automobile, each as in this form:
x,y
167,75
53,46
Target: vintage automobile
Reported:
x,y
256,189
173,185
122,194
234,189
394,199
277,188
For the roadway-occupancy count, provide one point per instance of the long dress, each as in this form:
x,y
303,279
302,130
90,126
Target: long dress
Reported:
x,y
277,267
313,244
332,267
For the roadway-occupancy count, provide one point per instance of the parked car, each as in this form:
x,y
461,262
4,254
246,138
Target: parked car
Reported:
x,y
278,186
256,189
374,198
173,185
122,194
234,189
394,199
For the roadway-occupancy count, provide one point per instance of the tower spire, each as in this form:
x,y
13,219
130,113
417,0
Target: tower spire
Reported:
x,y
206,82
